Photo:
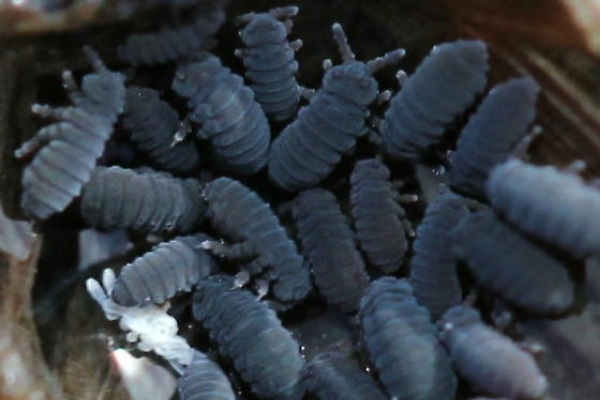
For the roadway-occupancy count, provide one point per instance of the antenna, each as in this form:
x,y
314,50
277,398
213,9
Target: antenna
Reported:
x,y
342,40
388,59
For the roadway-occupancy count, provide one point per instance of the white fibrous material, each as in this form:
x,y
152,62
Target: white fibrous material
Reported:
x,y
150,326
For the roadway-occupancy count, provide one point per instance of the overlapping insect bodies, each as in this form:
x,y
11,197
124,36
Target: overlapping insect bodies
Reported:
x,y
403,345
159,274
433,273
443,86
555,206
506,262
500,122
170,44
70,147
336,376
249,332
112,200
308,149
226,112
328,244
153,124
269,60
150,326
379,220
259,240
488,359
203,379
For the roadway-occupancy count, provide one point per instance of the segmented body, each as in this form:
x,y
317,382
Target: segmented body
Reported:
x,y
378,218
203,379
159,274
443,86
112,200
403,344
269,61
506,262
226,112
433,273
336,376
170,44
500,122
258,238
153,124
488,359
558,207
249,332
308,149
69,149
328,244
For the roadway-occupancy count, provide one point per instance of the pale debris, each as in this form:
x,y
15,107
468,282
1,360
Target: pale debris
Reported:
x,y
149,325
142,378
16,237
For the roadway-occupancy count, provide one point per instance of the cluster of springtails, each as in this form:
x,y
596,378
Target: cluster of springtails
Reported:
x,y
349,246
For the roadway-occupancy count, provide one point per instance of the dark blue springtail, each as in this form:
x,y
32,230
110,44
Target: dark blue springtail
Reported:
x,y
379,220
153,125
443,86
337,376
489,360
308,149
171,44
226,112
555,206
158,275
433,273
269,60
500,122
257,237
249,332
203,379
328,244
403,344
149,202
506,262
68,149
